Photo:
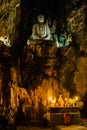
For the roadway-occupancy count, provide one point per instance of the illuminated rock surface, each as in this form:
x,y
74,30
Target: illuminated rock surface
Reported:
x,y
43,72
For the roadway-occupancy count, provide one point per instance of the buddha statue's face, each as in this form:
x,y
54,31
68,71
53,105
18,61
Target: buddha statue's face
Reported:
x,y
40,18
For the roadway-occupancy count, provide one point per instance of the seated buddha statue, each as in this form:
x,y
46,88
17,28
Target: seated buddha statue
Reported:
x,y
40,30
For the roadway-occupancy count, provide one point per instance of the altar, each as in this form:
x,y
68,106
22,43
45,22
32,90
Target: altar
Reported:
x,y
64,115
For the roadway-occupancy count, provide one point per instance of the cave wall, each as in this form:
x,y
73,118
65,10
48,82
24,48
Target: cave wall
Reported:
x,y
76,55
10,15
69,73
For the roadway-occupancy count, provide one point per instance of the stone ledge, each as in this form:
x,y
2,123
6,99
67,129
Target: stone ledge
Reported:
x,y
72,127
63,115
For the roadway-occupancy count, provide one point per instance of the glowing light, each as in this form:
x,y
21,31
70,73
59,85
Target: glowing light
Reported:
x,y
54,101
66,99
50,98
76,98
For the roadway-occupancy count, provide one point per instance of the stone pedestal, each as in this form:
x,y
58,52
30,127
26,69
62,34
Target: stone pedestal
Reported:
x,y
43,48
64,115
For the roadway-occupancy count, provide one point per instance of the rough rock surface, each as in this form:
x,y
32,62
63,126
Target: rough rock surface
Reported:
x,y
42,67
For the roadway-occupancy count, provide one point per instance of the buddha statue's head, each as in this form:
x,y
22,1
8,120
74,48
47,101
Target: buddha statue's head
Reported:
x,y
41,18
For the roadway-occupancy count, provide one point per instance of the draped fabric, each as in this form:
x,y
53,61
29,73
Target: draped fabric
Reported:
x,y
41,31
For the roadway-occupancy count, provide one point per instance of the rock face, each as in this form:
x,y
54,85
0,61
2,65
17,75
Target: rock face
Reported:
x,y
10,13
40,74
44,70
80,76
77,26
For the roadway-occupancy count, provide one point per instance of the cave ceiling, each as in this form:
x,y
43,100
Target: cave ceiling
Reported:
x,y
49,7
58,9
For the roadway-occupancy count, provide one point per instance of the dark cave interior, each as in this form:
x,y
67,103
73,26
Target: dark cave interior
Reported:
x,y
53,9
33,8
29,12
32,68
49,8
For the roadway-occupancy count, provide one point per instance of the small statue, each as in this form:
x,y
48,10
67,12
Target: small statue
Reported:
x,y
63,38
60,101
53,30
